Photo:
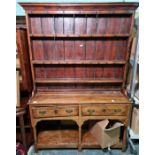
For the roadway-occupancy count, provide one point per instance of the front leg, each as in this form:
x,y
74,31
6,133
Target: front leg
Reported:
x,y
124,145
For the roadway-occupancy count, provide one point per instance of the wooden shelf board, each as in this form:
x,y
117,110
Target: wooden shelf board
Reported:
x,y
119,12
49,146
58,138
87,62
78,81
67,139
79,36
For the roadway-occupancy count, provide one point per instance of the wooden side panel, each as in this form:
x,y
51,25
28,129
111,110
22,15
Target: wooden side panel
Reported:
x,y
23,55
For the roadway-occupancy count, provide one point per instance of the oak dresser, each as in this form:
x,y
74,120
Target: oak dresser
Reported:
x,y
79,55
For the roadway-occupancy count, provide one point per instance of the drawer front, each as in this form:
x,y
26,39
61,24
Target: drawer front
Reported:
x,y
56,111
116,110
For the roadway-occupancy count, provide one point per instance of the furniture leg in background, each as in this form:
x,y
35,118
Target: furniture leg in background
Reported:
x,y
19,113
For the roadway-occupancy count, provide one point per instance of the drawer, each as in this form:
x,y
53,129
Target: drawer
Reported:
x,y
55,111
106,109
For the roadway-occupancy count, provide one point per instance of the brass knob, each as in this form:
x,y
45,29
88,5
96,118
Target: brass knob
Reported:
x,y
91,111
42,112
69,110
103,110
117,110
55,111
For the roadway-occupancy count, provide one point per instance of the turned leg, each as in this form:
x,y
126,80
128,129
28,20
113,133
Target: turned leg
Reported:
x,y
79,146
35,139
35,148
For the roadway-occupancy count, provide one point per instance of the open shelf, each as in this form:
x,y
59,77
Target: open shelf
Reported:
x,y
88,141
79,35
87,62
67,139
58,138
78,81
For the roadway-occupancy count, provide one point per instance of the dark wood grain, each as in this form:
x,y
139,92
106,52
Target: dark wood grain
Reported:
x,y
38,50
35,23
68,49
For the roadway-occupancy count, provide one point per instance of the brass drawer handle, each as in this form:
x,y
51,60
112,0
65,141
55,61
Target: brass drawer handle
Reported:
x,y
90,111
117,110
69,110
55,111
42,112
103,110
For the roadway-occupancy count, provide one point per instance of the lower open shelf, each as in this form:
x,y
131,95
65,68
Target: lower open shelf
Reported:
x,y
67,139
58,138
88,141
